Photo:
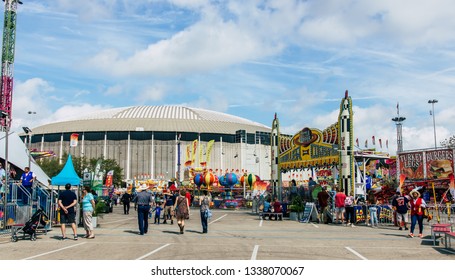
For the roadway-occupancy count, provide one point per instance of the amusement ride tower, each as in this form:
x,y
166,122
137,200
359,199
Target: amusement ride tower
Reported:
x,y
6,84
8,47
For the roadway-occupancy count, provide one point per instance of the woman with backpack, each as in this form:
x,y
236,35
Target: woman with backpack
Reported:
x,y
204,204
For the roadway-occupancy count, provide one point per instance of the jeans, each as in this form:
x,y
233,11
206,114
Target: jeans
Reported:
x,y
417,219
204,222
143,218
126,208
350,214
373,215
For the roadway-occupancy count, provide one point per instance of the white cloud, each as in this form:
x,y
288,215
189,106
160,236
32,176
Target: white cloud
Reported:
x,y
151,94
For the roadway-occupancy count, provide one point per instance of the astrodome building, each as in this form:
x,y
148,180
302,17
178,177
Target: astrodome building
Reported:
x,y
160,141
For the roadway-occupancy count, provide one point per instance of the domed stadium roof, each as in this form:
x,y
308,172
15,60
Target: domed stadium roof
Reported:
x,y
155,118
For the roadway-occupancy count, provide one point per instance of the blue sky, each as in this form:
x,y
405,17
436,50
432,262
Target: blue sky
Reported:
x,y
245,58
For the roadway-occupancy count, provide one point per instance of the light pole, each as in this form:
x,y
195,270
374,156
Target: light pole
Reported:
x,y
28,131
432,102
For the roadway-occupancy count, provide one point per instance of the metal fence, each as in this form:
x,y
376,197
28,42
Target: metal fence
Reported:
x,y
22,203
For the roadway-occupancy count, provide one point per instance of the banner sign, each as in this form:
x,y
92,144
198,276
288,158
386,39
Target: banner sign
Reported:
x,y
309,147
427,164
73,139
411,165
439,163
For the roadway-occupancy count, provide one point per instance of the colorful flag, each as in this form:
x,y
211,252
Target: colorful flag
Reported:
x,y
188,153
73,139
209,150
98,175
109,178
193,157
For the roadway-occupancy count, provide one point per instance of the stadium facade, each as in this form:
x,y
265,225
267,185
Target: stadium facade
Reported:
x,y
157,141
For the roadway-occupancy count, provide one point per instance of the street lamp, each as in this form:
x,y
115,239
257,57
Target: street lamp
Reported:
x,y
432,102
28,131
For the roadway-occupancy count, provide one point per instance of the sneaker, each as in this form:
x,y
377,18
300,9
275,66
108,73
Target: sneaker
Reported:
x,y
400,228
411,235
406,228
63,238
75,237
348,224
420,235
352,225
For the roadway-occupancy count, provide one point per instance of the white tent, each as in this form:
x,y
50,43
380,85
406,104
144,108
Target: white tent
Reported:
x,y
18,155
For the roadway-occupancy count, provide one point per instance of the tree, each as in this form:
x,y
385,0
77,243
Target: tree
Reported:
x,y
449,143
50,166
107,165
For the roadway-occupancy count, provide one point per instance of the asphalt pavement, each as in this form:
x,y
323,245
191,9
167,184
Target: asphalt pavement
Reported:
x,y
233,235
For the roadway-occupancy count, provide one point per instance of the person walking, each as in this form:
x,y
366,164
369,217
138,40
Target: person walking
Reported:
x,y
168,209
182,210
126,199
157,210
340,197
349,203
372,208
204,205
400,204
88,207
66,202
417,208
323,200
142,203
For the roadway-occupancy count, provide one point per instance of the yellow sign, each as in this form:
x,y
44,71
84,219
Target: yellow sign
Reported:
x,y
309,147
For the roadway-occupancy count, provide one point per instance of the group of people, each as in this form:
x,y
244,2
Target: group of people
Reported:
x,y
401,204
176,205
67,201
270,209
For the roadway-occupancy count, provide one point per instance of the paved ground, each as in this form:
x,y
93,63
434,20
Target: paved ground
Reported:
x,y
233,235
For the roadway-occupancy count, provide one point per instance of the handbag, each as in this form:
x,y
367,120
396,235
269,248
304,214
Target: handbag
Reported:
x,y
261,207
208,213
426,214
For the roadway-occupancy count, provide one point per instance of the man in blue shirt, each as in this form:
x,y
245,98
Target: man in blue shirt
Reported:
x,y
168,209
27,180
401,205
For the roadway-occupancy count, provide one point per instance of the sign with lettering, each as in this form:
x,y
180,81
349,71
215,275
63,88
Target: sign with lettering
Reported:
x,y
428,164
310,213
411,164
439,163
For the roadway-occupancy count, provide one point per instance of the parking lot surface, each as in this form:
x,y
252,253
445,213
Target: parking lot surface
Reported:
x,y
233,235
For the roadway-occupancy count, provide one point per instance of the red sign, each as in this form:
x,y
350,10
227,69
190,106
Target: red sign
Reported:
x,y
411,165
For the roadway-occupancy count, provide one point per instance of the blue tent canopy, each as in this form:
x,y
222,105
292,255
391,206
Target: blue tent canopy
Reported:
x,y
67,175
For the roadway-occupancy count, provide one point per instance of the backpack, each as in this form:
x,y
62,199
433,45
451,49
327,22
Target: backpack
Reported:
x,y
348,201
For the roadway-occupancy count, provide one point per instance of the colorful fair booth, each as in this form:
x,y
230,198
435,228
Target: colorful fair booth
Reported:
x,y
327,156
